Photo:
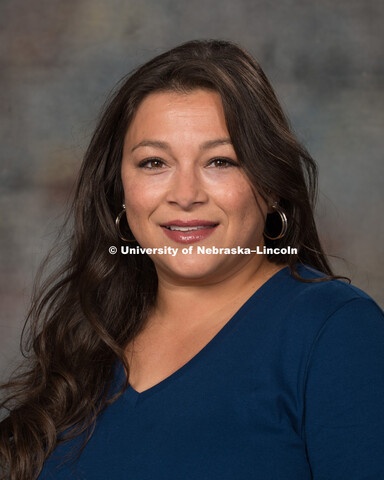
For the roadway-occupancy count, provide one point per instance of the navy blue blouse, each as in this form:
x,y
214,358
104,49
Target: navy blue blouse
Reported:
x,y
291,388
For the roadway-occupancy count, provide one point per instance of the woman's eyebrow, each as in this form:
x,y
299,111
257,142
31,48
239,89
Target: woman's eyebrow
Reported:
x,y
165,146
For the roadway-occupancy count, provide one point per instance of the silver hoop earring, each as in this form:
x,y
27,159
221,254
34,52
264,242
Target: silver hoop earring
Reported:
x,y
284,222
117,222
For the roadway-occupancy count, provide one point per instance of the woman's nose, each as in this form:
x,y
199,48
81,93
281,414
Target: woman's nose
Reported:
x,y
186,188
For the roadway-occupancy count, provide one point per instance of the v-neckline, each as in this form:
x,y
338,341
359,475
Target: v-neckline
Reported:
x,y
133,396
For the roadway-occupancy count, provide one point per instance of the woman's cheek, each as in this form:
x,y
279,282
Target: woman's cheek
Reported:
x,y
136,193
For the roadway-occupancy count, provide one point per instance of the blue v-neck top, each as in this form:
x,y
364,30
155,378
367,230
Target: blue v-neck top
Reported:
x,y
291,388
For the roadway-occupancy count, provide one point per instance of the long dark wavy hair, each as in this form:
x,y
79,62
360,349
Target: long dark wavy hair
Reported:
x,y
94,303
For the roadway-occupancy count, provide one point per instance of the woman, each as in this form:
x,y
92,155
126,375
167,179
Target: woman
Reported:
x,y
179,364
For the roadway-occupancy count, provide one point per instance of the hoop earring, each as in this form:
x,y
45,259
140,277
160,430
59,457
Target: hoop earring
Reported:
x,y
284,222
117,222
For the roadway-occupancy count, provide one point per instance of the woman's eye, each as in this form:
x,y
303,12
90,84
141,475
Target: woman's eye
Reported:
x,y
222,163
151,163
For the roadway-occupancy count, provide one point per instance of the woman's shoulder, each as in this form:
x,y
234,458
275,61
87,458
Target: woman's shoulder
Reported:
x,y
317,293
302,308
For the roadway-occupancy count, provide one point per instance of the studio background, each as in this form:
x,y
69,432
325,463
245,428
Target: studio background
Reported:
x,y
60,59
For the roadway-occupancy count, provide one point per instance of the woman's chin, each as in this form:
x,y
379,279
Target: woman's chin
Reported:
x,y
192,267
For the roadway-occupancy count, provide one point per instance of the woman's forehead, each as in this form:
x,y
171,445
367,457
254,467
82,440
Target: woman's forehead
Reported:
x,y
167,115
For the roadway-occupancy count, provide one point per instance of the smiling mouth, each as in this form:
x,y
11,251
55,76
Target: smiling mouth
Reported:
x,y
189,231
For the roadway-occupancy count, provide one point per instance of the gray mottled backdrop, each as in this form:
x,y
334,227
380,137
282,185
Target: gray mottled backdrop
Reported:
x,y
60,58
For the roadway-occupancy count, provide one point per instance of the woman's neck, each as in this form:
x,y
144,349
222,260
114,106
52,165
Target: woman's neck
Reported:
x,y
192,303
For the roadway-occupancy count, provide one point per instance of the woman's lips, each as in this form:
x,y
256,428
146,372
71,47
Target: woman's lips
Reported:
x,y
189,232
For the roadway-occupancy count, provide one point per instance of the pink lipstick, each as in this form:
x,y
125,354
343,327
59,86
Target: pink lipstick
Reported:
x,y
188,231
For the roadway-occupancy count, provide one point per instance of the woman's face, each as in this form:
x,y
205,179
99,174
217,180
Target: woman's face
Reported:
x,y
184,187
